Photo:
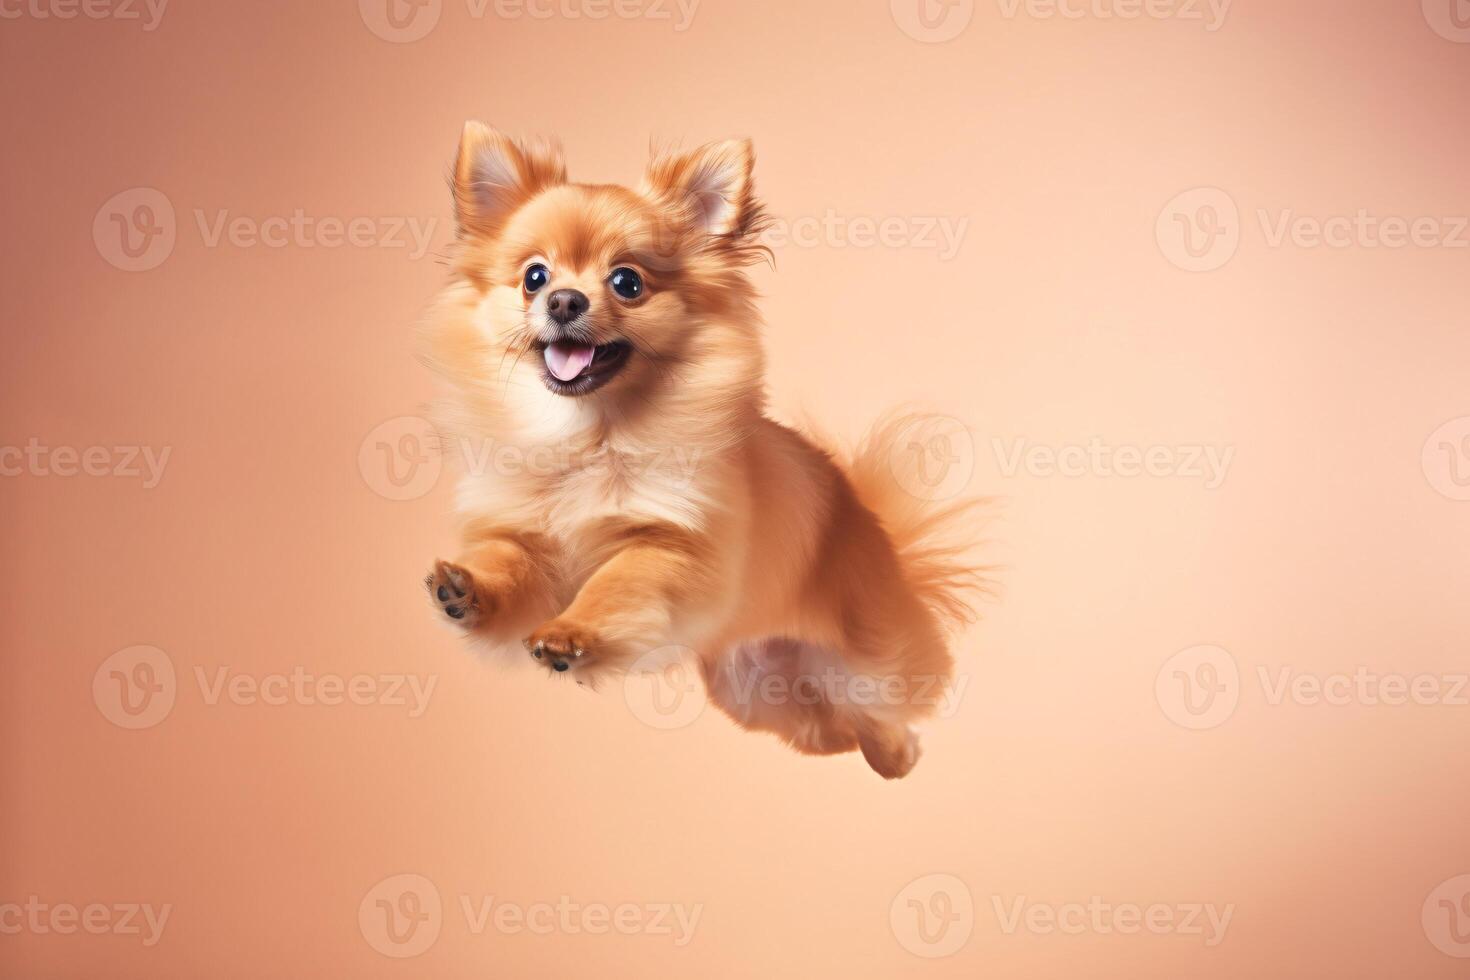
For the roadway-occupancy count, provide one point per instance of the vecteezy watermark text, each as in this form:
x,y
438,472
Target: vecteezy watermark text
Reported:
x,y
678,12
934,916
403,458
839,687
149,13
403,915
302,687
1363,686
406,21
95,918
664,690
1201,230
1100,917
1209,464
941,234
1211,13
137,688
301,230
569,917
137,229
1200,687
121,462
485,457
938,21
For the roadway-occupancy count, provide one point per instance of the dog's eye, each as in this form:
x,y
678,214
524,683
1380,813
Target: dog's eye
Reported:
x,y
626,283
536,277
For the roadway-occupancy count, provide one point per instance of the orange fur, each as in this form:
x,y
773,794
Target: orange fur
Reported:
x,y
665,508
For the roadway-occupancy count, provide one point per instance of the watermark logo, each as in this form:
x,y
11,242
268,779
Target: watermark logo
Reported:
x,y
664,690
1199,687
400,459
401,915
135,229
1446,917
1199,230
135,687
1446,459
403,458
138,688
400,21
933,916
932,21
1449,18
933,457
406,21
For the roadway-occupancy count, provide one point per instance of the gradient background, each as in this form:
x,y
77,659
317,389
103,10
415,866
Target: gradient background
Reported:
x,y
1335,542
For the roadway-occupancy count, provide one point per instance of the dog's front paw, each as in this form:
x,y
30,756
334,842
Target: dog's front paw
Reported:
x,y
452,589
560,645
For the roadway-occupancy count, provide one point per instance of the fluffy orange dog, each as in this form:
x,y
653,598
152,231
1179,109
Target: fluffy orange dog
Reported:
x,y
604,341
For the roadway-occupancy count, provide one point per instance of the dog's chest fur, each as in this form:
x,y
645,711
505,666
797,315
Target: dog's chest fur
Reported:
x,y
563,493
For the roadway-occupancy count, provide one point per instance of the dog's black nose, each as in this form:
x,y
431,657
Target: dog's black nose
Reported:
x,y
560,665
565,305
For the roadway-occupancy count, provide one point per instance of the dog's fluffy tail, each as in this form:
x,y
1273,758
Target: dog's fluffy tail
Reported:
x,y
912,470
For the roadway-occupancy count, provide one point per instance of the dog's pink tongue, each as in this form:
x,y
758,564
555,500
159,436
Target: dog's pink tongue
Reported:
x,y
565,361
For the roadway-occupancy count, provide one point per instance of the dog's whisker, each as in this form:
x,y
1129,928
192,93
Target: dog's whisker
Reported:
x,y
658,360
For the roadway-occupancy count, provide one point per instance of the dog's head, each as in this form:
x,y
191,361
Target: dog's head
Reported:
x,y
625,299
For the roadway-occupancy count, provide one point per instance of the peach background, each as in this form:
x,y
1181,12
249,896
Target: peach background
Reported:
x,y
1060,777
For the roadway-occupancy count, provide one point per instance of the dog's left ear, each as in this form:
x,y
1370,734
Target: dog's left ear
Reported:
x,y
709,190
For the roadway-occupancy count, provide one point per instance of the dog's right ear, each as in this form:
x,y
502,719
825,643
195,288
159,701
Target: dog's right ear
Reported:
x,y
495,174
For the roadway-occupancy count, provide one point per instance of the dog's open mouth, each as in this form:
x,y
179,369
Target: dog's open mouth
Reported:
x,y
574,368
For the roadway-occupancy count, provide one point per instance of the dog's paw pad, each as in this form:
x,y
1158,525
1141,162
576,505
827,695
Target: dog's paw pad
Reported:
x,y
452,589
559,647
